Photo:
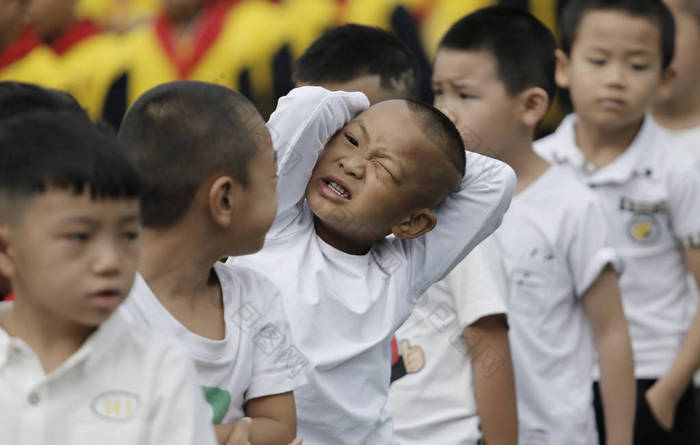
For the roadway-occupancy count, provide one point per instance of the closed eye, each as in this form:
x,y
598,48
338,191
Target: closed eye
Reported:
x,y
351,139
78,237
597,61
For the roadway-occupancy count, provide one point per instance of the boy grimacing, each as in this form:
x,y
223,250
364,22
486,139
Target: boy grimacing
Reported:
x,y
345,286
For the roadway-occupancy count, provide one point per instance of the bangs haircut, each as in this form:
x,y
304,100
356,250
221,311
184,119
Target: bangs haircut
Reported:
x,y
440,130
18,98
181,134
524,48
350,51
64,150
653,10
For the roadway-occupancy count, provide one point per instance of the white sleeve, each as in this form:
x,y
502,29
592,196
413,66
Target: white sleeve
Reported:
x,y
464,219
305,119
589,245
684,200
478,285
278,366
179,413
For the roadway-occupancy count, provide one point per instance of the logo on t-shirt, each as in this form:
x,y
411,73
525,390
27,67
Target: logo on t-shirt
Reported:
x,y
409,360
116,405
643,228
219,400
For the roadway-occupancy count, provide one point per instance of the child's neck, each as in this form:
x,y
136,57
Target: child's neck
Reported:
x,y
528,166
179,270
682,114
52,338
341,242
602,146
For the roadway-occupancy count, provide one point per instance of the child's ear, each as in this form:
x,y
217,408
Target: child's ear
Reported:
x,y
419,223
667,77
561,73
535,102
7,267
222,199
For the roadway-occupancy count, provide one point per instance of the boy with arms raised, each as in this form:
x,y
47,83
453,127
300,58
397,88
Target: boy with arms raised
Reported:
x,y
494,74
615,56
209,175
344,186
428,361
71,371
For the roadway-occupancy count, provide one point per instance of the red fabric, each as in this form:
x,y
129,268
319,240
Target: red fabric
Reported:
x,y
394,351
25,42
205,33
10,297
80,31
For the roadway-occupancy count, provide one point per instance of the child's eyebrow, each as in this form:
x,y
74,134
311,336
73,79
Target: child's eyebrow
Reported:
x,y
129,219
363,128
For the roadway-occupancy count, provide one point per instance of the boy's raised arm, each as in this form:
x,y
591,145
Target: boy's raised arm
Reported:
x,y
464,219
300,126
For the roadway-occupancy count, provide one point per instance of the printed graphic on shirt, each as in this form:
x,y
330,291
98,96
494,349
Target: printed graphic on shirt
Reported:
x,y
410,360
219,400
116,405
643,228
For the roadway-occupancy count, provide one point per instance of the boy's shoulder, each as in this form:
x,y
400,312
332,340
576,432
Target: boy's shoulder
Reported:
x,y
246,282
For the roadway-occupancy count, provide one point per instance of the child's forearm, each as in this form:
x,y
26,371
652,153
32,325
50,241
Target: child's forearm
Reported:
x,y
617,383
263,431
687,362
266,431
494,383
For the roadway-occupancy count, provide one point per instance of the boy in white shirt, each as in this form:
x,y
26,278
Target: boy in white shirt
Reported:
x,y
71,371
374,61
494,74
346,287
210,178
615,56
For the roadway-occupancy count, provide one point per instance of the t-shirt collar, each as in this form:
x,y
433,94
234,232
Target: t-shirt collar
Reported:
x,y
637,160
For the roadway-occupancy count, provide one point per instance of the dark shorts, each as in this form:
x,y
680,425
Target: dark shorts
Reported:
x,y
647,430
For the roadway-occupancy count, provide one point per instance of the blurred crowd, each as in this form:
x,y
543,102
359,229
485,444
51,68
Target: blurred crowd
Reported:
x,y
107,52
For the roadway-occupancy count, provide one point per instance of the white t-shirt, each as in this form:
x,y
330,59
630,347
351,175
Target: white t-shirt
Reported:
x,y
434,401
651,197
123,386
254,360
554,247
689,138
342,308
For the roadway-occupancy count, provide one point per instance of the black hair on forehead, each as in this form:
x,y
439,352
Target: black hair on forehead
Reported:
x,y
523,47
654,10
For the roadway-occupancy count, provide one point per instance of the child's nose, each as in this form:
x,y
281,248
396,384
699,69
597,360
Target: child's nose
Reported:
x,y
107,260
353,166
616,76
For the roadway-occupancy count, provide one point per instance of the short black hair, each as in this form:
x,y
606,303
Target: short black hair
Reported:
x,y
440,130
524,48
181,133
653,10
63,150
351,51
17,98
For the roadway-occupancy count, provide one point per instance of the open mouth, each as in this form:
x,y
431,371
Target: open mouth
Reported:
x,y
337,188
